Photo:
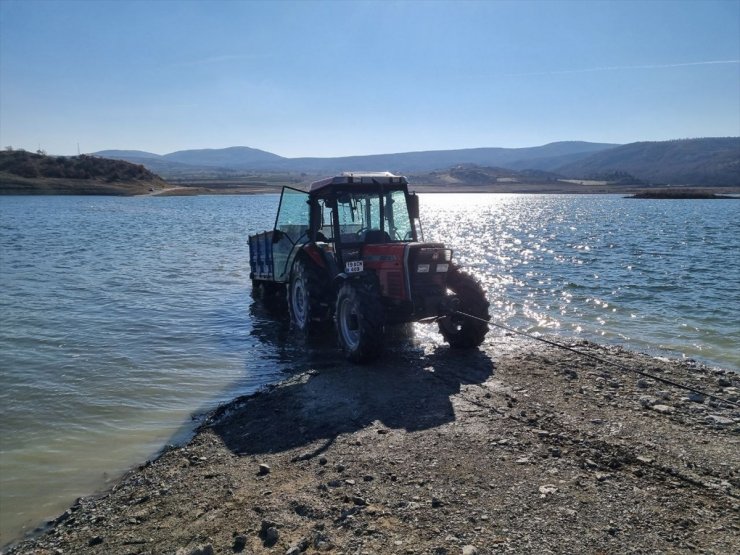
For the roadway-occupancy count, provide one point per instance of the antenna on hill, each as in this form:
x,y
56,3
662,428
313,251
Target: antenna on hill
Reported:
x,y
78,149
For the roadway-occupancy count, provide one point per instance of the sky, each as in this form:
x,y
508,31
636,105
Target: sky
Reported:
x,y
326,79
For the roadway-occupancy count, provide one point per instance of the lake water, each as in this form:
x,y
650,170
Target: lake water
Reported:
x,y
123,317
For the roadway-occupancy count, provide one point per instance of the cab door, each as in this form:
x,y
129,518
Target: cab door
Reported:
x,y
291,231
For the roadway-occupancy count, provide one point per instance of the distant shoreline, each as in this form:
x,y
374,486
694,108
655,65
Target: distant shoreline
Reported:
x,y
524,188
49,186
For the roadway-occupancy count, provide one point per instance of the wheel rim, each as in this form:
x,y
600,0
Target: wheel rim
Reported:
x,y
348,324
299,302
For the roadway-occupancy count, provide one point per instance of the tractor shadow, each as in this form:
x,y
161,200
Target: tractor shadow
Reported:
x,y
409,388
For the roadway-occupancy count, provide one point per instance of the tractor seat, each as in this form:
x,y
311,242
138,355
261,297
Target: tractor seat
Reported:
x,y
376,236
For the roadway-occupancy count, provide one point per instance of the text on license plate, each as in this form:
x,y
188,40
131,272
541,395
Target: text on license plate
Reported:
x,y
354,266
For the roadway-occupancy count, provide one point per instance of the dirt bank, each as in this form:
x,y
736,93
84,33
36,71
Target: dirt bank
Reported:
x,y
516,448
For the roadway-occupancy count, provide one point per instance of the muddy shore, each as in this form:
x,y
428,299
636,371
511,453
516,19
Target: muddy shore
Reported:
x,y
518,447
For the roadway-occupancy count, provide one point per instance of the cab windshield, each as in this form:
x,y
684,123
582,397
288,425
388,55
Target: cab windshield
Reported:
x,y
368,217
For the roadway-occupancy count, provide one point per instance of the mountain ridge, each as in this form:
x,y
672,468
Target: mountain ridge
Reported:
x,y
247,158
711,161
716,163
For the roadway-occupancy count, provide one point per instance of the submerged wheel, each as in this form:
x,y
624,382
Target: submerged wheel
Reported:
x,y
359,320
460,331
306,297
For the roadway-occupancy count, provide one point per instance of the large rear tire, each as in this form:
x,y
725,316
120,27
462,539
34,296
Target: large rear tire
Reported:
x,y
306,297
459,331
359,319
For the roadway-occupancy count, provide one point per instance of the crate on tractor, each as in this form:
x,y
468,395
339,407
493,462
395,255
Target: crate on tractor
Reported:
x,y
350,250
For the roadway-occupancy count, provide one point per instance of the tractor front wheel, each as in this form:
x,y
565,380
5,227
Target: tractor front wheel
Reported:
x,y
306,297
461,331
359,321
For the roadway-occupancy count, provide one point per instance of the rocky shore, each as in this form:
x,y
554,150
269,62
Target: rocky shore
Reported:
x,y
516,448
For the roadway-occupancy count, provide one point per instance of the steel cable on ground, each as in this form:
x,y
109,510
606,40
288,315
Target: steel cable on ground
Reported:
x,y
602,360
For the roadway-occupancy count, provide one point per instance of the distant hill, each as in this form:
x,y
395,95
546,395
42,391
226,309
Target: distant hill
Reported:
x,y
24,172
438,159
126,154
251,159
473,178
471,175
236,157
698,162
702,162
168,168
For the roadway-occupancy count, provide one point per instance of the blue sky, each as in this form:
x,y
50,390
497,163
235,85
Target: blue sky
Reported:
x,y
342,78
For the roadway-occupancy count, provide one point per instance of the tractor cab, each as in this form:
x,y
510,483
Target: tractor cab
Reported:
x,y
352,211
342,215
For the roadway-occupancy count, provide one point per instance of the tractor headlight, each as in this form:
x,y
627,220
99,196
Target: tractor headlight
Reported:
x,y
443,267
422,268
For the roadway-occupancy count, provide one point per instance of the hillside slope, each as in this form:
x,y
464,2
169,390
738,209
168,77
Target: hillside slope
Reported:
x,y
708,162
702,162
24,172
430,160
251,159
235,157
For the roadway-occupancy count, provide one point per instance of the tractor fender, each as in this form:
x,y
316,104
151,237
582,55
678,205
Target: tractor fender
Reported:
x,y
312,251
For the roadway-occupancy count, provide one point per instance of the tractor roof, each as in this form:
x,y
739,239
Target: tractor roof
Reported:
x,y
359,178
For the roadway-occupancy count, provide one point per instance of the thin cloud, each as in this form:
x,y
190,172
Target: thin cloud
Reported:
x,y
617,68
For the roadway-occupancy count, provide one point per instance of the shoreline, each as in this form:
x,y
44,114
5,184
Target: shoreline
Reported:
x,y
197,189
516,447
522,188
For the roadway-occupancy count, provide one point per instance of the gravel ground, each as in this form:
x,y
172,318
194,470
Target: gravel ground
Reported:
x,y
516,448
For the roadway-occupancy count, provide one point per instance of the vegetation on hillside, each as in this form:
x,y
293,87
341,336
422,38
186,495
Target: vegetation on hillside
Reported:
x,y
711,162
472,174
27,173
32,165
616,177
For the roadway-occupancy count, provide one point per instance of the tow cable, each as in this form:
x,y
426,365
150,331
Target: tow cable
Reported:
x,y
599,359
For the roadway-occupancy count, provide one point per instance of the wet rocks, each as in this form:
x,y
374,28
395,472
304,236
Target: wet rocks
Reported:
x,y
264,469
547,489
719,420
206,549
695,397
240,542
269,533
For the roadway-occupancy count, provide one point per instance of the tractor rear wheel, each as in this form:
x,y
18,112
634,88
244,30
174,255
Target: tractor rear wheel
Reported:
x,y
359,320
460,331
306,297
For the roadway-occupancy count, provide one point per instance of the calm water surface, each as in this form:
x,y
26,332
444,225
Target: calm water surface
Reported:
x,y
121,318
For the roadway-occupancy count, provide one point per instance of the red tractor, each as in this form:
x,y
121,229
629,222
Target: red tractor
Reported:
x,y
350,250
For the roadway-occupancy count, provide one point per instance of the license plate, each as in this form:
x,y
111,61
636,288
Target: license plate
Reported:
x,y
354,266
